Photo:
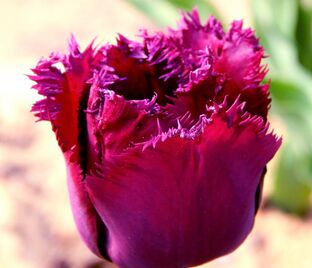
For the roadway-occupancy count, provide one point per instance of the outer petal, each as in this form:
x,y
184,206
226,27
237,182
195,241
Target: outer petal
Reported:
x,y
185,201
89,224
62,79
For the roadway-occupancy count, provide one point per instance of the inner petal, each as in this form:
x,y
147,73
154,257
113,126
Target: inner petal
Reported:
x,y
139,78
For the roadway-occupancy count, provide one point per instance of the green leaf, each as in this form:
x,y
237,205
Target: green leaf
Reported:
x,y
304,35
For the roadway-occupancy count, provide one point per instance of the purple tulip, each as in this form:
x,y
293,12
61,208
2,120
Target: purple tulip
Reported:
x,y
166,141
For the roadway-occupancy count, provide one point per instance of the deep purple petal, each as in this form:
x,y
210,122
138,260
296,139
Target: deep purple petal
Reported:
x,y
240,61
63,82
116,124
201,37
89,224
138,78
160,204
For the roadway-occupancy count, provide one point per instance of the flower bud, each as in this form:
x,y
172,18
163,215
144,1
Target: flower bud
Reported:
x,y
166,141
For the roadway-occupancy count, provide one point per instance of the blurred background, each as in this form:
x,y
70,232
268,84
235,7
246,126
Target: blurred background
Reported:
x,y
36,225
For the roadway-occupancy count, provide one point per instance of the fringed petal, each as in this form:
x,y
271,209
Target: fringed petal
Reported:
x,y
62,80
118,123
240,61
138,78
201,37
183,192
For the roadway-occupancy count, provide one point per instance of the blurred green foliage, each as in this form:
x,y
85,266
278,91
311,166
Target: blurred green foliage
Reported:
x,y
285,30
166,12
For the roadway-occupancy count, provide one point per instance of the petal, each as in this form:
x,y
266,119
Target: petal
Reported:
x,y
116,124
199,92
179,52
221,64
201,37
186,201
138,78
62,81
88,222
240,61
241,55
236,57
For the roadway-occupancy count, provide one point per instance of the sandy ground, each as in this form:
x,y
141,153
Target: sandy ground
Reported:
x,y
36,225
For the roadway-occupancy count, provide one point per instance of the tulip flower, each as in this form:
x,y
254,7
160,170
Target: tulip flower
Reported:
x,y
166,140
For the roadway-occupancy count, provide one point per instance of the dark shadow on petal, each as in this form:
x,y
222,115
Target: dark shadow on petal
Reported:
x,y
138,78
259,191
